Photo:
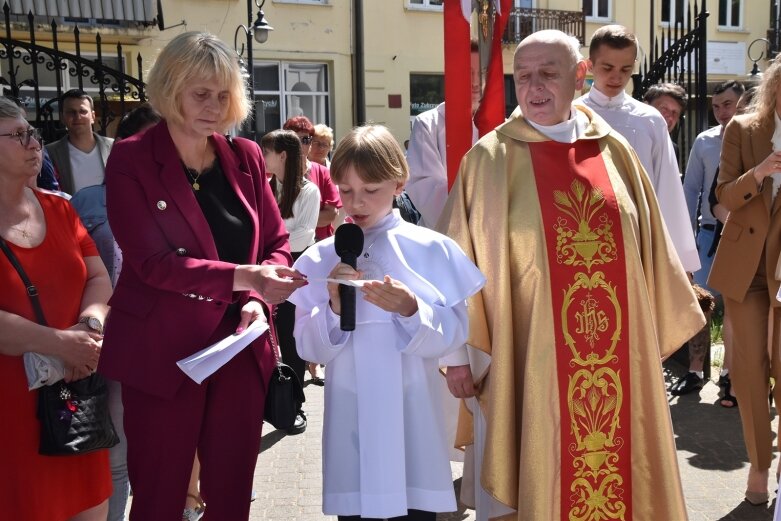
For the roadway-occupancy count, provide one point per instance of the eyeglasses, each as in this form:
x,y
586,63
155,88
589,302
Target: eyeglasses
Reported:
x,y
306,140
25,136
321,144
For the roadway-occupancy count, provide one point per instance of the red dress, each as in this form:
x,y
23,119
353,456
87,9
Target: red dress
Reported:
x,y
34,487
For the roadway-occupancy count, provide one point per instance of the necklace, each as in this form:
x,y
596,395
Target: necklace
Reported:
x,y
23,230
366,253
192,174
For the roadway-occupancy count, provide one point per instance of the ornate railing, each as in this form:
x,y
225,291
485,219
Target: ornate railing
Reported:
x,y
524,21
679,56
114,87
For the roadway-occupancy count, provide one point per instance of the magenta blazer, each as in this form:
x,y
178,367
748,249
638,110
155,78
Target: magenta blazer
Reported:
x,y
173,290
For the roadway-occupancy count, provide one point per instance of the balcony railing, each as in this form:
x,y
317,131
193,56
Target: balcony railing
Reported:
x,y
524,21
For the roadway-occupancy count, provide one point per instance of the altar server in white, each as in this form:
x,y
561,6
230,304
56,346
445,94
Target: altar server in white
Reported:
x,y
384,448
612,55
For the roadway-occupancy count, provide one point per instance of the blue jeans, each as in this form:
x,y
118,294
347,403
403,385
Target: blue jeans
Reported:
x,y
117,456
704,243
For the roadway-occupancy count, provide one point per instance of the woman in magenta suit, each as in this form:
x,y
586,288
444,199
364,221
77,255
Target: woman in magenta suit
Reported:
x,y
205,253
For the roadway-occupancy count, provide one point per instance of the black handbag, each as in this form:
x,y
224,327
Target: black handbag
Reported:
x,y
74,416
285,395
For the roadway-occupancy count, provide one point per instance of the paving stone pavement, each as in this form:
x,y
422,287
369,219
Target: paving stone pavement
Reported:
x,y
711,457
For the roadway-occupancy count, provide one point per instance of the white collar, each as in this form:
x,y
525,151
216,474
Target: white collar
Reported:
x,y
383,225
567,131
605,101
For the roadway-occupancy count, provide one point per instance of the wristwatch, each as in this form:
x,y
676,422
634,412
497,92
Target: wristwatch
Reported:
x,y
93,323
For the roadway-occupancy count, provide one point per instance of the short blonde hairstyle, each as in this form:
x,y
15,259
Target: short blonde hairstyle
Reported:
x,y
374,154
326,132
193,56
10,110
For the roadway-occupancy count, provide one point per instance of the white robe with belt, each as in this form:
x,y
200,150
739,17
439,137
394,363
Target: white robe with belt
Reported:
x,y
384,448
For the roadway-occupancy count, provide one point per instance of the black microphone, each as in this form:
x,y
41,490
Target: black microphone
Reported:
x,y
348,242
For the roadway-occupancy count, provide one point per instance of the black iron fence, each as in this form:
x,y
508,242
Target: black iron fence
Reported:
x,y
524,21
679,55
37,75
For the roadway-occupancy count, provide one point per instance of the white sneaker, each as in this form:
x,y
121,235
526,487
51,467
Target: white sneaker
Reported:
x,y
192,514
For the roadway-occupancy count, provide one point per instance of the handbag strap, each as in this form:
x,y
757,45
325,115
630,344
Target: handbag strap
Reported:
x,y
272,338
32,291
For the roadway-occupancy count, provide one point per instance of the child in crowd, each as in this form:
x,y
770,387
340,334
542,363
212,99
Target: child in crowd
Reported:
x,y
299,205
384,449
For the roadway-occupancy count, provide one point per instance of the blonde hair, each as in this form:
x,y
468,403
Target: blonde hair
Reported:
x,y
374,154
10,110
195,56
325,131
764,103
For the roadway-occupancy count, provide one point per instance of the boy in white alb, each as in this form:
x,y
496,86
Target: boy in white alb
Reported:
x,y
384,448
612,55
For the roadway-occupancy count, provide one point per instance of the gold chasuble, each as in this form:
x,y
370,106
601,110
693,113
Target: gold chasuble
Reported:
x,y
584,297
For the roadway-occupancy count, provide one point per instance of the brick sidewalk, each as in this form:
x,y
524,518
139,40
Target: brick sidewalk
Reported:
x,y
711,457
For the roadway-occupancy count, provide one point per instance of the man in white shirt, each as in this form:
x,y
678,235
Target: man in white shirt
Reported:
x,y
701,170
427,153
612,54
80,157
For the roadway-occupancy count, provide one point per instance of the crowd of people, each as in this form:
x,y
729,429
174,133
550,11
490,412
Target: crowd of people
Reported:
x,y
548,284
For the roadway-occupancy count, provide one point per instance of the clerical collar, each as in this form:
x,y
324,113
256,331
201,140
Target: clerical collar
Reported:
x,y
567,131
605,101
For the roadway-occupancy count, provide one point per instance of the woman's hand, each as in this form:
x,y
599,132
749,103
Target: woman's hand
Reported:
x,y
250,312
771,165
392,296
79,350
341,271
721,213
273,283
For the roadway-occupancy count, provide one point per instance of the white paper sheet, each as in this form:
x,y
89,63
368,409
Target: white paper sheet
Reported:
x,y
205,362
356,283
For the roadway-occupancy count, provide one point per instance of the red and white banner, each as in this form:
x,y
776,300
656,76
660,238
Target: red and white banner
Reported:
x,y
458,118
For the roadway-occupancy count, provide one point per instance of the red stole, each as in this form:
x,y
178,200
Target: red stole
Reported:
x,y
582,226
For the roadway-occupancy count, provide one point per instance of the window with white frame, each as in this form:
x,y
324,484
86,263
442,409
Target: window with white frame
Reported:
x,y
433,5
597,10
287,89
730,14
674,11
426,91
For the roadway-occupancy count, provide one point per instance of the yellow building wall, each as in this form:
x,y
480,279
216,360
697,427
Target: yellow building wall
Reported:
x,y
635,16
398,41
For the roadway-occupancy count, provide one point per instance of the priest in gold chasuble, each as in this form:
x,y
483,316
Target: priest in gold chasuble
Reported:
x,y
585,297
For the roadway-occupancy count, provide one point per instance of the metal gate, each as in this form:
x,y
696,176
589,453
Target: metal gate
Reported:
x,y
24,63
679,55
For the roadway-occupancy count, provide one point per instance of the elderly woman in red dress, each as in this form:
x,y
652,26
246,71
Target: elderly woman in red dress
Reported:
x,y
45,235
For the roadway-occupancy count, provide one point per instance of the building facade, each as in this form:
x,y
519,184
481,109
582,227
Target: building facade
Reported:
x,y
307,66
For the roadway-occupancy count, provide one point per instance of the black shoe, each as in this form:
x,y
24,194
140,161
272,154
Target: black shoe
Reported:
x,y
690,382
299,426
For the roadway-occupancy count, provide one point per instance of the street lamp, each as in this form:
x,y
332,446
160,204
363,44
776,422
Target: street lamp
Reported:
x,y
755,72
259,30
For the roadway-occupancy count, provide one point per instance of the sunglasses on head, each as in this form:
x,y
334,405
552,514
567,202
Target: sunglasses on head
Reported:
x,y
307,140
